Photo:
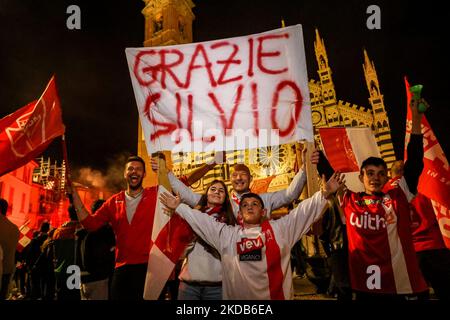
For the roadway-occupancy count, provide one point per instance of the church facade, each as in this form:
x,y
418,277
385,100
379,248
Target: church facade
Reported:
x,y
169,22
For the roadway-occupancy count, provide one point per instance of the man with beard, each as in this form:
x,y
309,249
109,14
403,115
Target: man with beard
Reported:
x,y
131,214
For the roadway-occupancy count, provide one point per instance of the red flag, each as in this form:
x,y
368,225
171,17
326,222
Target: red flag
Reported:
x,y
25,236
261,185
434,181
27,132
346,149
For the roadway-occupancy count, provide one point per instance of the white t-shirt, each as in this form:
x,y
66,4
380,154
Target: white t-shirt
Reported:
x,y
131,205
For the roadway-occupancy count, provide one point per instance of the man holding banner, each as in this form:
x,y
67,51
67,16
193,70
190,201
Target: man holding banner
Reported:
x,y
131,214
240,180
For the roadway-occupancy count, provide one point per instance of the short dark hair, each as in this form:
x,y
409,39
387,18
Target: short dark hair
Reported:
x,y
45,226
251,195
136,158
3,206
242,167
373,161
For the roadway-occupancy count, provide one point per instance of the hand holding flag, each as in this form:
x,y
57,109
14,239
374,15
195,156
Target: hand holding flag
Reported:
x,y
434,182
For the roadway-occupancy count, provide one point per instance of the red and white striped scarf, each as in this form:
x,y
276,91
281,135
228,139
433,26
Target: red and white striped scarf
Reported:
x,y
239,219
273,258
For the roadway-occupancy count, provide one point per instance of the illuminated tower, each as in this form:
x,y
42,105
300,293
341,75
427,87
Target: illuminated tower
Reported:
x,y
326,83
381,126
328,111
167,22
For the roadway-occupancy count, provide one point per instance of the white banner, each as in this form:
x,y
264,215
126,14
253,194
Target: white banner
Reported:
x,y
229,94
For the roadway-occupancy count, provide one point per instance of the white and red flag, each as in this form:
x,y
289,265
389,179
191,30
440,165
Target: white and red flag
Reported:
x,y
25,236
170,237
346,149
434,181
27,132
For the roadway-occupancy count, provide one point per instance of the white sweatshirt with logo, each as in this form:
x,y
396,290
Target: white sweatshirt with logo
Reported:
x,y
248,280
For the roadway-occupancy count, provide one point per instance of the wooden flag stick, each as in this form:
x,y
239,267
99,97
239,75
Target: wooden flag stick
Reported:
x,y
163,180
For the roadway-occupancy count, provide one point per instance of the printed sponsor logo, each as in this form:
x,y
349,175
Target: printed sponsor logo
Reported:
x,y
367,222
247,245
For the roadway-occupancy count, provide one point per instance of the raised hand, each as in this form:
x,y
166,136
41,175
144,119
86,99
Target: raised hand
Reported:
x,y
219,158
336,182
170,202
417,115
154,163
315,157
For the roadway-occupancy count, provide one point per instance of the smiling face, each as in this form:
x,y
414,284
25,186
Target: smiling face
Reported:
x,y
216,194
134,174
240,180
251,210
373,178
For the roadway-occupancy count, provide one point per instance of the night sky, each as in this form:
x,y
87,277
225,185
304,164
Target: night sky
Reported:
x,y
99,108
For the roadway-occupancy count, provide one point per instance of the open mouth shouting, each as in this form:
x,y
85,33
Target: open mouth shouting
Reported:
x,y
134,179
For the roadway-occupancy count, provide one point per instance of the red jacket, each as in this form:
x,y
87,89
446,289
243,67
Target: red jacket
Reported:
x,y
132,240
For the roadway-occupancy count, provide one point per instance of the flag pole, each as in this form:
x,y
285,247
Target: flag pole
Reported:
x,y
66,162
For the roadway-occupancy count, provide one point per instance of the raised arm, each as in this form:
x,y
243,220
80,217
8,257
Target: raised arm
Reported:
x,y
300,219
325,170
187,195
89,221
205,226
82,213
414,165
285,197
200,172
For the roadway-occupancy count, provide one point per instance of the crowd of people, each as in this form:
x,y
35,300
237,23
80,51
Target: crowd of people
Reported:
x,y
381,244
40,270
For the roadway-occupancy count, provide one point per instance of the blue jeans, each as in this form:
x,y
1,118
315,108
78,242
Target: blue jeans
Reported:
x,y
195,292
